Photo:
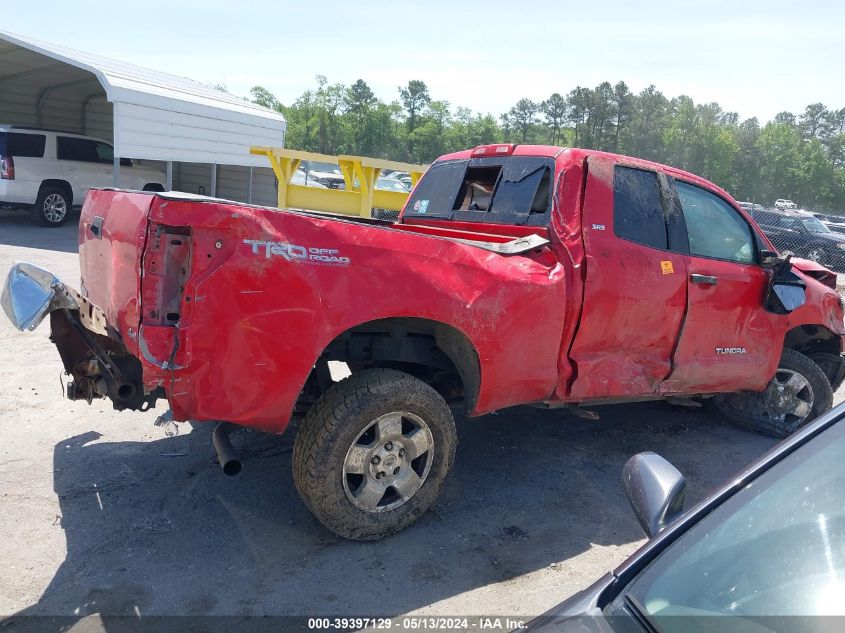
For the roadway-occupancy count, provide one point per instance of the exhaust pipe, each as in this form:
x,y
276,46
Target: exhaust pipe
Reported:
x,y
228,457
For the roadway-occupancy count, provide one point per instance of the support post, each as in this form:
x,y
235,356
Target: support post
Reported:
x,y
169,176
249,191
213,180
116,171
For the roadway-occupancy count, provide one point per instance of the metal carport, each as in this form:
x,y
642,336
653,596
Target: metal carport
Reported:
x,y
146,114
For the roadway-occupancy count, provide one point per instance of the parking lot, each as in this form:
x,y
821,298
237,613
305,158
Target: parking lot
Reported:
x,y
103,512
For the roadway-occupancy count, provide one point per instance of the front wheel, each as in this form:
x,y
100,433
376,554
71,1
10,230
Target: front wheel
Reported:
x,y
373,453
798,392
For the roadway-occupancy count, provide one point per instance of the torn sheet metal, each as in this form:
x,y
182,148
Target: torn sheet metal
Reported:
x,y
515,247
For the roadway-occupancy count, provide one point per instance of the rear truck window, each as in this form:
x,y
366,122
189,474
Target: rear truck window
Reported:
x,y
19,145
506,190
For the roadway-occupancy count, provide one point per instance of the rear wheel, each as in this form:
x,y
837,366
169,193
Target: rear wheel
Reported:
x,y
798,392
373,453
51,207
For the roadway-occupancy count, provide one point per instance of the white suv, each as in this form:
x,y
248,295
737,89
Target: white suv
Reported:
x,y
50,172
783,204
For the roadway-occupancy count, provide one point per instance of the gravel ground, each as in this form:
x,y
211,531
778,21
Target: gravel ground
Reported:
x,y
102,512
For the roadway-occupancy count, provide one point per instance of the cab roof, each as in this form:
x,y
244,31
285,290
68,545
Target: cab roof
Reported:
x,y
577,156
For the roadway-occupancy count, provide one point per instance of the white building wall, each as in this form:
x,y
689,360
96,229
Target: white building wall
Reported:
x,y
264,189
193,178
151,132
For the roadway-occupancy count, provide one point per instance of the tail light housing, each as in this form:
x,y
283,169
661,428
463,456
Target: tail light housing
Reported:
x,y
498,149
7,168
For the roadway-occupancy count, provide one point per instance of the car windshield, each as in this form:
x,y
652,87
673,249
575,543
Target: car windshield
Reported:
x,y
776,548
814,226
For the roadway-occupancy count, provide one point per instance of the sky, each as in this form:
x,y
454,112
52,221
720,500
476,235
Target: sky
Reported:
x,y
754,58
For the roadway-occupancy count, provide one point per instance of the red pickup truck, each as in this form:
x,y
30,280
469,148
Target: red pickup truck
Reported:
x,y
516,275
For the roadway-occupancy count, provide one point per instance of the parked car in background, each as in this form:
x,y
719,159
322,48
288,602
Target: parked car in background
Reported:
x,y
783,204
50,172
327,174
834,222
750,207
764,548
402,176
391,184
805,235
300,177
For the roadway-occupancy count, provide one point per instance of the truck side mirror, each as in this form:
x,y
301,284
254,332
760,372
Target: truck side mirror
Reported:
x,y
656,490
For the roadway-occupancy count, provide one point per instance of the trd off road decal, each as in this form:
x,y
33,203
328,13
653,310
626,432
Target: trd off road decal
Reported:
x,y
731,350
296,253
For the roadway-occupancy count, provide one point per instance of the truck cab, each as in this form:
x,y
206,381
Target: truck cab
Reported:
x,y
667,283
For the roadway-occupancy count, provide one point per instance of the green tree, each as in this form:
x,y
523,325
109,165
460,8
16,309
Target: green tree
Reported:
x,y
414,98
554,111
799,157
779,145
263,97
359,102
523,117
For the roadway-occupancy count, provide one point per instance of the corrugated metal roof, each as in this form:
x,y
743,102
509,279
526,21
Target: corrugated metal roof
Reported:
x,y
121,78
154,115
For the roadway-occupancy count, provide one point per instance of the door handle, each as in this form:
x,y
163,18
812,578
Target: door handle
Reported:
x,y
706,280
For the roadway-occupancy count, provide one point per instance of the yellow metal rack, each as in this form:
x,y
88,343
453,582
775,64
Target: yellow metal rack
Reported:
x,y
359,174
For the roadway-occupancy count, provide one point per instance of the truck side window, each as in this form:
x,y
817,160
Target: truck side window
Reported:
x,y
714,227
638,208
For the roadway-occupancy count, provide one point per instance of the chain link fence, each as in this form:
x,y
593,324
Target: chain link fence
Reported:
x,y
816,236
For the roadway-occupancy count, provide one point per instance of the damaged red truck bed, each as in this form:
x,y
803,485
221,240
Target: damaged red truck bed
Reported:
x,y
516,275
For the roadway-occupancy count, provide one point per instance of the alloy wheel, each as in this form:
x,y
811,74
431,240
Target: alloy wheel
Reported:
x,y
54,208
388,462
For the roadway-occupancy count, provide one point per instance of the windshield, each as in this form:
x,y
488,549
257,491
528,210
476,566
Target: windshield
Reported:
x,y
814,226
776,548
